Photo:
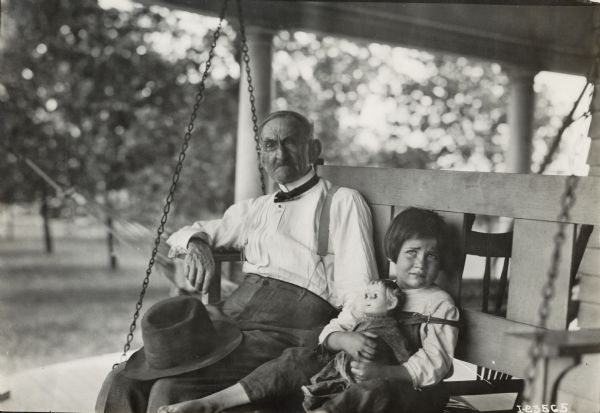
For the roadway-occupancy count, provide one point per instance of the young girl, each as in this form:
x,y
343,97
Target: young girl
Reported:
x,y
417,242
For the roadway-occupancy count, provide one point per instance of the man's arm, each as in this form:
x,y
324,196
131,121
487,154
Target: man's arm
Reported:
x,y
351,232
194,242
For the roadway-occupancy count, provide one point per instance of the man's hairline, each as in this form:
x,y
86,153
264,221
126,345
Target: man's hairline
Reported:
x,y
301,119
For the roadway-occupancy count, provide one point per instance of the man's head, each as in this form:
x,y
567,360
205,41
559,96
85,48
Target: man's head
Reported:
x,y
287,146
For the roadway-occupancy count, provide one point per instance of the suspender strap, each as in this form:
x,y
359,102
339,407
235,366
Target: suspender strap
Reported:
x,y
323,231
418,318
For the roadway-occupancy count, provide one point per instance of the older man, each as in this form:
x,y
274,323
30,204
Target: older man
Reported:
x,y
290,290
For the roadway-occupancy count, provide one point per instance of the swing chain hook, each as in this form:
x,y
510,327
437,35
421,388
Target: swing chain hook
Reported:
x,y
246,59
175,179
535,349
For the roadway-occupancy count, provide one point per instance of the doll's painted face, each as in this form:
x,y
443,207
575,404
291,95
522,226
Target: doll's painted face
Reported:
x,y
376,299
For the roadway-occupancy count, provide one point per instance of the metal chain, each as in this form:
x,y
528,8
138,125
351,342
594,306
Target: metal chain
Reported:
x,y
535,349
169,200
246,59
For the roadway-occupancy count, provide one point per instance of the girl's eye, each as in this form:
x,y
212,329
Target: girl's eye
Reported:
x,y
375,296
412,253
433,257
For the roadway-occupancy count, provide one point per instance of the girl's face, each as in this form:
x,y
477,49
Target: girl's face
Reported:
x,y
418,263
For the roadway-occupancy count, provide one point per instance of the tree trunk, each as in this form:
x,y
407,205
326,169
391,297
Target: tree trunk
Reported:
x,y
110,241
46,218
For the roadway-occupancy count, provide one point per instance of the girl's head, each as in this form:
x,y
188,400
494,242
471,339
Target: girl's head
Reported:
x,y
382,296
416,242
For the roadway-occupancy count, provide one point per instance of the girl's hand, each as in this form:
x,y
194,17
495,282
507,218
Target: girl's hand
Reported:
x,y
360,346
368,370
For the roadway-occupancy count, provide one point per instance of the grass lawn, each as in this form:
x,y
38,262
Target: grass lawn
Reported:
x,y
69,304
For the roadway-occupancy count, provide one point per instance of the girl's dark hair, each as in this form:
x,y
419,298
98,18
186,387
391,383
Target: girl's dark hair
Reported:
x,y
420,223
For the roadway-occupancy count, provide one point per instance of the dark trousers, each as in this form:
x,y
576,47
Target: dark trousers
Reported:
x,y
273,316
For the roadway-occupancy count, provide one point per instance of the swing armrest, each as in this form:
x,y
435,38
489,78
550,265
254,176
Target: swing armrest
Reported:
x,y
223,255
560,343
220,256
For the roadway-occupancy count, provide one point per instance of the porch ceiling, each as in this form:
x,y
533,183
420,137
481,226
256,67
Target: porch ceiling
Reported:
x,y
546,37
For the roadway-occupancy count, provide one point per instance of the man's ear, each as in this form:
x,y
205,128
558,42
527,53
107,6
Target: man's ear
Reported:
x,y
314,150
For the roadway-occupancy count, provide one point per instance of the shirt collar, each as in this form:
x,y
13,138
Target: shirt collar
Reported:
x,y
289,186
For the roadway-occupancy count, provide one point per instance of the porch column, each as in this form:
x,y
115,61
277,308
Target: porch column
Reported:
x,y
260,49
520,120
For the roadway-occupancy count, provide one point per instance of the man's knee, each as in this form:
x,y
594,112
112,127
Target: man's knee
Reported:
x,y
119,393
163,392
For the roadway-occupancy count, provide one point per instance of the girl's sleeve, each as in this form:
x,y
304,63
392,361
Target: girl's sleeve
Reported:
x,y
346,320
432,362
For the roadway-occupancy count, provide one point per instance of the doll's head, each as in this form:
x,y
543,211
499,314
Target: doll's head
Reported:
x,y
382,296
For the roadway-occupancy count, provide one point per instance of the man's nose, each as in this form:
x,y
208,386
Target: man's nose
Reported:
x,y
280,150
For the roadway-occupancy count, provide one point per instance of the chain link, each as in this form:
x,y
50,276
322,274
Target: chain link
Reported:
x,y
246,59
175,179
535,349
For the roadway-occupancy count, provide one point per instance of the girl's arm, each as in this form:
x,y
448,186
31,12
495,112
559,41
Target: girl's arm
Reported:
x,y
338,335
432,362
360,346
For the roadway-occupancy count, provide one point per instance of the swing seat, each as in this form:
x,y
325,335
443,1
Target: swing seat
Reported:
x,y
498,343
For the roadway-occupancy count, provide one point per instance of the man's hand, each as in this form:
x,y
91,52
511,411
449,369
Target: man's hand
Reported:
x,y
360,346
199,265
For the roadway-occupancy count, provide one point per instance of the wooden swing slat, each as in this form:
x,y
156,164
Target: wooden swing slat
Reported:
x,y
535,197
589,288
533,244
382,215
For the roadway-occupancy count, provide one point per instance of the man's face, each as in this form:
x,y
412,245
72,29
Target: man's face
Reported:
x,y
284,149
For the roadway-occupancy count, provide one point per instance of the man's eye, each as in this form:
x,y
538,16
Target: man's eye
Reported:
x,y
289,144
433,257
269,144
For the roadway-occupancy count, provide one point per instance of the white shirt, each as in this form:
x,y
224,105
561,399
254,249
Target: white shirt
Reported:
x,y
279,239
432,362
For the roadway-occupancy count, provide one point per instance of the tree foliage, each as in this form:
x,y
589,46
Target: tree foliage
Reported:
x,y
87,97
100,100
379,105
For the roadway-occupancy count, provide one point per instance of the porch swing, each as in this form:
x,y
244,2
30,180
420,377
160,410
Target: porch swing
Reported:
x,y
461,194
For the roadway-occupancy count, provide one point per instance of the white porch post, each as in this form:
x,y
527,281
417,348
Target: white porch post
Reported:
x,y
520,120
247,179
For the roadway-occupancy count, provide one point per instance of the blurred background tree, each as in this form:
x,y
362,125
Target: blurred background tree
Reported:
x,y
87,98
99,98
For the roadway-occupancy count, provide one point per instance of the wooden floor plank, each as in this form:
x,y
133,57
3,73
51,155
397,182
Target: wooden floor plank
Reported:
x,y
65,387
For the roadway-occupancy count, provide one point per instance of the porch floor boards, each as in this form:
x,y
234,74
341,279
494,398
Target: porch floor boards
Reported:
x,y
64,387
